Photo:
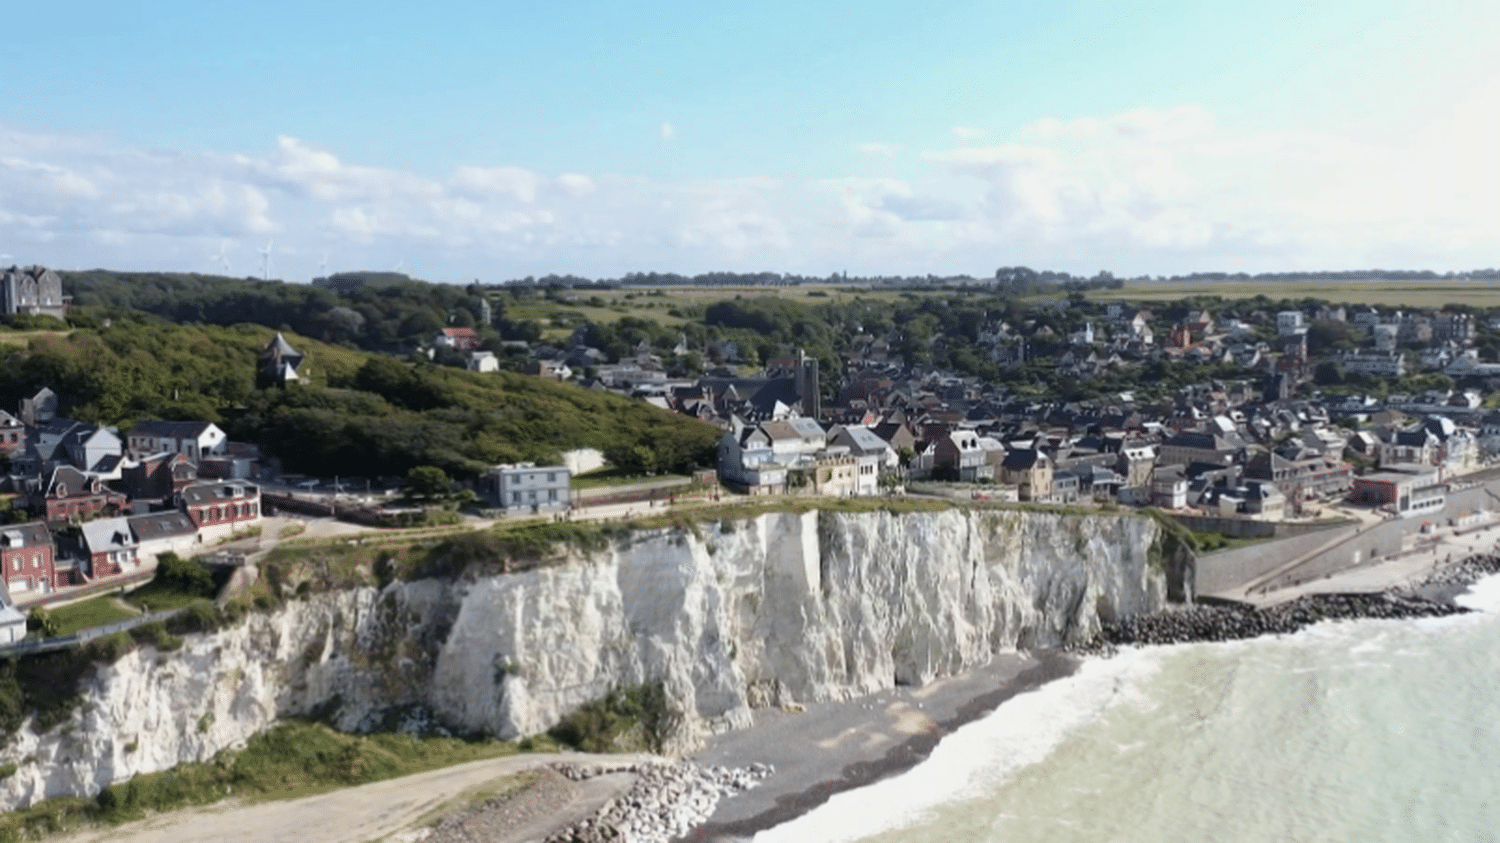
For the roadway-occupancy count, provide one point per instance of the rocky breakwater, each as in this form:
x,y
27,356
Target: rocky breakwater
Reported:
x,y
666,802
1428,597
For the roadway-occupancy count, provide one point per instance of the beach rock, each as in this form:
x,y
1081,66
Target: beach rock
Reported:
x,y
666,802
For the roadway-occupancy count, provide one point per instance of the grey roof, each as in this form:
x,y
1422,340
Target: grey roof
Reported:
x,y
213,492
107,534
280,346
160,525
866,440
173,429
30,534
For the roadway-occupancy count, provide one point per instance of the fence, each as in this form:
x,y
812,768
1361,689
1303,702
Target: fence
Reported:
x,y
67,642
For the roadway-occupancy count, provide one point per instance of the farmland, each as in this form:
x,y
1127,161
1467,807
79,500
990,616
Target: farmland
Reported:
x,y
1434,293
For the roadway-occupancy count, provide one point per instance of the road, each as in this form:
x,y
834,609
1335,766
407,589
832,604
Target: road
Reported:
x,y
372,812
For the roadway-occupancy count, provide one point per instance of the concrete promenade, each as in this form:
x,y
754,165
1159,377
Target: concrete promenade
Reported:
x,y
1382,551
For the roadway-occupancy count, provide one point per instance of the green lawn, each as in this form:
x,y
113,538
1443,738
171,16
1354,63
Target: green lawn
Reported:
x,y
615,477
97,611
158,597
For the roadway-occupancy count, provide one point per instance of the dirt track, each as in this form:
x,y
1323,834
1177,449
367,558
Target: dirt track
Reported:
x,y
372,812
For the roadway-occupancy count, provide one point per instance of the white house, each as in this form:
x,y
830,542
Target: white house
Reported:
x,y
194,439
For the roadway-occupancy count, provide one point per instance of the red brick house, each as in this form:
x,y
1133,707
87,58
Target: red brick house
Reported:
x,y
458,339
27,557
71,495
219,510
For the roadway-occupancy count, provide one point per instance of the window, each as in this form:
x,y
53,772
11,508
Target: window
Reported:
x,y
552,477
552,495
36,559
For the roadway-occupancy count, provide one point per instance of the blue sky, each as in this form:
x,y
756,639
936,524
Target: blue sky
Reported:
x,y
497,140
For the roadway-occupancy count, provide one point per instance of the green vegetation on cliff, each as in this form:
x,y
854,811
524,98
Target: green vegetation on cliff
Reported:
x,y
292,759
359,415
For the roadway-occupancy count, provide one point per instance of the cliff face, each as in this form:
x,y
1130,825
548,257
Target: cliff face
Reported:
x,y
774,609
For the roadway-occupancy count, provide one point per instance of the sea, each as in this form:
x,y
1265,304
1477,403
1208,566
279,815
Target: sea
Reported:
x,y
1346,731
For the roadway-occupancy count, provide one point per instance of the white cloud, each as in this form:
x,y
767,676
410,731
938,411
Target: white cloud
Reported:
x,y
876,149
1154,191
668,131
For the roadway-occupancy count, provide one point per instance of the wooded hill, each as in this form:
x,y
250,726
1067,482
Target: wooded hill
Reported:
x,y
359,414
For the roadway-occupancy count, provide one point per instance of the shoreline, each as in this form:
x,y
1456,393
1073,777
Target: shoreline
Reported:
x,y
838,746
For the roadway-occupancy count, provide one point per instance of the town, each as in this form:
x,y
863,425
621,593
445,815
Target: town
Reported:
x,y
1057,400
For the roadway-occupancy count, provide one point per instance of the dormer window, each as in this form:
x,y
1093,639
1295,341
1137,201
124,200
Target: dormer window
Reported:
x,y
62,490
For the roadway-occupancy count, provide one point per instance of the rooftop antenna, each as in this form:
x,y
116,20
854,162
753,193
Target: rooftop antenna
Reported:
x,y
265,261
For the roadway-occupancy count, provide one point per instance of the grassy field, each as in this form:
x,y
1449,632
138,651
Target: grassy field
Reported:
x,y
1434,293
96,611
22,339
656,303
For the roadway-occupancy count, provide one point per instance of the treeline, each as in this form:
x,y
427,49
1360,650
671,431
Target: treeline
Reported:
x,y
359,414
380,313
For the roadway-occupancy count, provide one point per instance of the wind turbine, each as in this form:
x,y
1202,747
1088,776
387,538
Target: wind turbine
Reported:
x,y
265,261
222,258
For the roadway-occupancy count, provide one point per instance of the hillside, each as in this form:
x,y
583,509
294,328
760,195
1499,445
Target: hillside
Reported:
x,y
359,414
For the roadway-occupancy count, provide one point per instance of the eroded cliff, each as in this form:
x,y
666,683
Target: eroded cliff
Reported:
x,y
728,616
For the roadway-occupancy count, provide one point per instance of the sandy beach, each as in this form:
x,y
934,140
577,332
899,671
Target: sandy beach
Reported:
x,y
833,747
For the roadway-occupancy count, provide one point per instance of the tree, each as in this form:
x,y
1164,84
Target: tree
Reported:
x,y
428,481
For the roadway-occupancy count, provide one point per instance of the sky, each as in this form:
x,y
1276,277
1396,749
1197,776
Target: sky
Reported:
x,y
488,141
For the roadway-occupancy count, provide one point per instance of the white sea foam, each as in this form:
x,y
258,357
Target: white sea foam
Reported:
x,y
970,762
1482,596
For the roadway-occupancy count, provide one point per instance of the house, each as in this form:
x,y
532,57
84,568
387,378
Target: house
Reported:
x,y
193,439
749,466
1405,493
221,509
72,495
458,339
1190,446
12,434
958,456
527,487
483,361
156,533
27,558
872,455
1169,487
109,547
235,461
158,477
34,290
551,369
279,362
12,624
1030,471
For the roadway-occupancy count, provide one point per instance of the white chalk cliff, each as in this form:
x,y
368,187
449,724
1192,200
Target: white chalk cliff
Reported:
x,y
733,615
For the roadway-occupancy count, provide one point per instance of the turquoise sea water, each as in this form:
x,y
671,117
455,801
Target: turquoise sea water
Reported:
x,y
1357,731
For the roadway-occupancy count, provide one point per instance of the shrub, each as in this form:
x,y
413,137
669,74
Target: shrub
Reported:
x,y
184,575
628,718
43,621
